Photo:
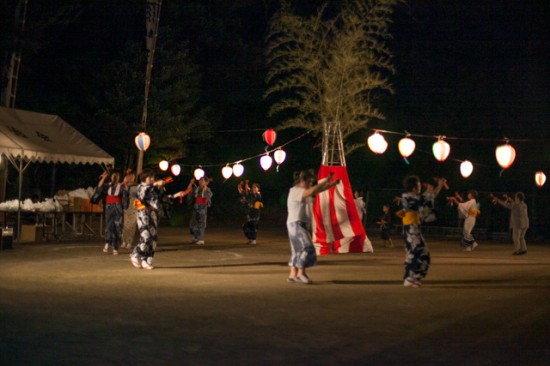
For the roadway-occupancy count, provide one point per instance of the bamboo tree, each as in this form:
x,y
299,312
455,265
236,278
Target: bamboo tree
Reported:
x,y
327,71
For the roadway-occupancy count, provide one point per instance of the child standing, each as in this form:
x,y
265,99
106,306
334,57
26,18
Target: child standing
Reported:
x,y
298,223
385,225
417,255
252,202
360,204
468,210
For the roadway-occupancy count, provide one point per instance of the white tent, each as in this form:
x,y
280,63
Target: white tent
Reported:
x,y
27,137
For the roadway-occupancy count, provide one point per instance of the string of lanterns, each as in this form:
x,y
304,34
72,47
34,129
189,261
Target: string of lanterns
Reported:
x,y
236,169
505,154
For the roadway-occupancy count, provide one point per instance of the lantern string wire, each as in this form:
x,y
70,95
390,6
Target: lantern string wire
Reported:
x,y
251,157
410,135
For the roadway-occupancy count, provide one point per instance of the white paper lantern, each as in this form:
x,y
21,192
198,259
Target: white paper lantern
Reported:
x,y
505,155
227,172
441,150
279,155
266,161
198,173
540,178
377,143
406,147
175,169
163,165
466,168
238,170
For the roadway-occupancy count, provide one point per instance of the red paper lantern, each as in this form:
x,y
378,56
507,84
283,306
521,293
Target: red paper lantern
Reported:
x,y
270,136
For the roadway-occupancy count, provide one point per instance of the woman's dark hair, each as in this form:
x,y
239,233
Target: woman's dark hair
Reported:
x,y
520,196
411,182
474,194
146,173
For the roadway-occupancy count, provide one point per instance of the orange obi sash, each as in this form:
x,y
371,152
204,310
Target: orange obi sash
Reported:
x,y
411,218
113,200
139,206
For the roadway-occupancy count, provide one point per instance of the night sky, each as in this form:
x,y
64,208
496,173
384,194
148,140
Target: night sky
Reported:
x,y
476,71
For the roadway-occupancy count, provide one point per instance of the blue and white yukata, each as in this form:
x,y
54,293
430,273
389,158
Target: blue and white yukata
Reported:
x,y
201,199
417,255
147,222
116,200
302,251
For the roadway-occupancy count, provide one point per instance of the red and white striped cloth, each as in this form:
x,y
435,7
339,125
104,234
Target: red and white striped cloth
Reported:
x,y
336,225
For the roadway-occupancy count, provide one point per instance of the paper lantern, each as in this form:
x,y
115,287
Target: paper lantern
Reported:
x,y
406,147
266,161
198,173
540,178
142,141
238,170
279,155
441,150
377,143
163,165
269,136
227,172
506,155
466,168
175,169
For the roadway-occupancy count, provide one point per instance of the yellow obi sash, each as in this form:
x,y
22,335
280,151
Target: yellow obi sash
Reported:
x,y
411,218
474,212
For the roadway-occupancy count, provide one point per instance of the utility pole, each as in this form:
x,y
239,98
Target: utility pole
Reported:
x,y
9,77
152,24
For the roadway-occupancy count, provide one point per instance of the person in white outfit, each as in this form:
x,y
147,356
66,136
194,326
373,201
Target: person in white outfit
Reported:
x,y
519,219
468,211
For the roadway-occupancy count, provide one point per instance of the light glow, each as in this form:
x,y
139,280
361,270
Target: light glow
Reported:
x,y
441,150
238,170
377,143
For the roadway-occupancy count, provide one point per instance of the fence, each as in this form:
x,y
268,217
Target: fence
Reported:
x,y
493,223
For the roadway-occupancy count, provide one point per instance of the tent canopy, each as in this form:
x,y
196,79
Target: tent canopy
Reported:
x,y
39,137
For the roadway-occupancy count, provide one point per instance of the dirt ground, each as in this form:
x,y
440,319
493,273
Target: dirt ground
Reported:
x,y
228,303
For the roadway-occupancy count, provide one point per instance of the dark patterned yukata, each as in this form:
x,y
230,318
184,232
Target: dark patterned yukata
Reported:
x,y
147,222
417,255
201,197
116,198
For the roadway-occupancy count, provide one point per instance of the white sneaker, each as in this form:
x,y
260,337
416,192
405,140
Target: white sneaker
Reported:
x,y
252,242
135,261
146,265
106,248
304,279
199,242
115,252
